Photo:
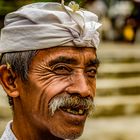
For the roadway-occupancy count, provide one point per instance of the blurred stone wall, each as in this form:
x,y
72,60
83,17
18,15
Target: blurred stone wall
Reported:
x,y
117,113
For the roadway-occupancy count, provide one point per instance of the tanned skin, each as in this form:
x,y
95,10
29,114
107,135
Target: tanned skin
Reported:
x,y
53,71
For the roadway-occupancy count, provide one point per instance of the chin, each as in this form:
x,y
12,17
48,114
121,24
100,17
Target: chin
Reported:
x,y
70,134
69,126
74,136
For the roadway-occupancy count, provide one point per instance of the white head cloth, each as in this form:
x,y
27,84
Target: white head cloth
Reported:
x,y
44,25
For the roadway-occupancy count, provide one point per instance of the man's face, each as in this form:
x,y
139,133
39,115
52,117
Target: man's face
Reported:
x,y
55,72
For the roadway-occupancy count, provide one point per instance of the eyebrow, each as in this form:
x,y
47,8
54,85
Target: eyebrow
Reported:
x,y
63,59
94,62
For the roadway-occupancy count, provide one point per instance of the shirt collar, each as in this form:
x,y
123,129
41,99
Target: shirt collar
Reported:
x,y
8,134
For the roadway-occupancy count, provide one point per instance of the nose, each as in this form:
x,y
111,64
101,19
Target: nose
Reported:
x,y
80,85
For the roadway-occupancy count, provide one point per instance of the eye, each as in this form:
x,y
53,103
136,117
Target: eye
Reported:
x,y
62,70
91,72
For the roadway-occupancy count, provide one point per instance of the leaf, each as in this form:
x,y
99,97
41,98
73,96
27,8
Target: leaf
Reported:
x,y
74,6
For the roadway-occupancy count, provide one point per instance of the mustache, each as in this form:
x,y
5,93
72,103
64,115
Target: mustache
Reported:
x,y
71,101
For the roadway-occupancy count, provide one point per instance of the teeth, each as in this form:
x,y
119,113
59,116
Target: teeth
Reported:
x,y
80,112
68,110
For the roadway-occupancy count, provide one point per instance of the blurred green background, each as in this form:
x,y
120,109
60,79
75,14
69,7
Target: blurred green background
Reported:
x,y
117,114
120,18
7,6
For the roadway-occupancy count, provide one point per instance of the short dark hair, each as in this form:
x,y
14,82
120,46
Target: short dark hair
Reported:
x,y
19,63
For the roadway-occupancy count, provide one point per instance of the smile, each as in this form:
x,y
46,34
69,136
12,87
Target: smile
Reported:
x,y
74,111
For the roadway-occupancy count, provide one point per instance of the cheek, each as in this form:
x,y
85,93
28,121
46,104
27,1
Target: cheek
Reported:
x,y
48,87
40,92
56,86
92,86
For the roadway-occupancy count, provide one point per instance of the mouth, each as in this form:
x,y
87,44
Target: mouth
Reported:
x,y
71,105
74,111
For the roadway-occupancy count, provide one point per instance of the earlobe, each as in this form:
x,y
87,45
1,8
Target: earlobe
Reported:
x,y
14,94
8,81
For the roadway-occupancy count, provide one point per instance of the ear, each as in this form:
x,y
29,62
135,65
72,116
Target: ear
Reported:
x,y
8,80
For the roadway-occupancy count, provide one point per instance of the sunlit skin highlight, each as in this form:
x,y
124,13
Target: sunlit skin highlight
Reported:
x,y
54,71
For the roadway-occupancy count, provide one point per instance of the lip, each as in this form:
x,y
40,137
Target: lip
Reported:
x,y
71,117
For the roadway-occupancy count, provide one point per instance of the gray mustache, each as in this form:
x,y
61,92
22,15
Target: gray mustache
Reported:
x,y
73,101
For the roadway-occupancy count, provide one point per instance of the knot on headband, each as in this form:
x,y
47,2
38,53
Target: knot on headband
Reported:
x,y
44,25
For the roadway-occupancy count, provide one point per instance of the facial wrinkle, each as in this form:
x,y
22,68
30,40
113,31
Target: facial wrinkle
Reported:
x,y
58,87
39,106
63,59
43,104
43,73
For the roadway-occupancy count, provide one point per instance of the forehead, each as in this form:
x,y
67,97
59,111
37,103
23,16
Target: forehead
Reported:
x,y
77,53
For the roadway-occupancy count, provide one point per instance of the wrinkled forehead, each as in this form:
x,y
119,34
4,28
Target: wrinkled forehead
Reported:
x,y
74,55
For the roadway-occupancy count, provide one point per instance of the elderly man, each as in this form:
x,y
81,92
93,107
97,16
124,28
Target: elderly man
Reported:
x,y
48,70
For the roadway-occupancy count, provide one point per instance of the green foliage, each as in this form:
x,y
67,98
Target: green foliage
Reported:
x,y
66,1
12,5
5,7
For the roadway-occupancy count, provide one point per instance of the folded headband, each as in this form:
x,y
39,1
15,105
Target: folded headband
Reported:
x,y
44,25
